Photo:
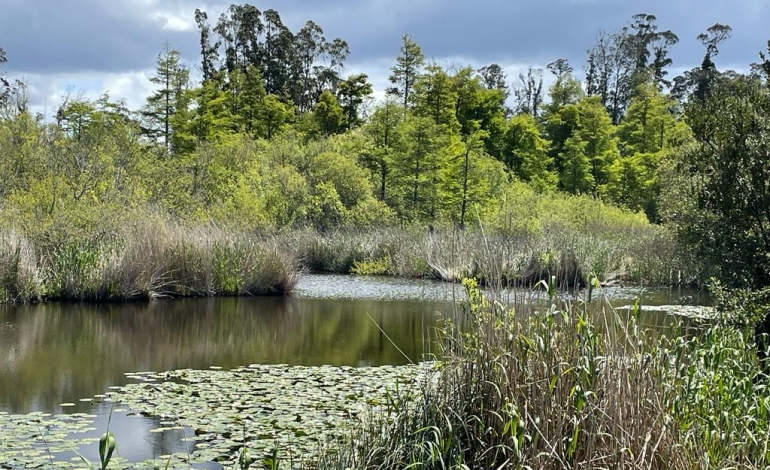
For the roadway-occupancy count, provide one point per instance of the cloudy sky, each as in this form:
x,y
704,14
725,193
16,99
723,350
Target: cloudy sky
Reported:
x,y
92,46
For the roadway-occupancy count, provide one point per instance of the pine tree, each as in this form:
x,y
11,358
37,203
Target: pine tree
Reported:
x,y
173,79
408,67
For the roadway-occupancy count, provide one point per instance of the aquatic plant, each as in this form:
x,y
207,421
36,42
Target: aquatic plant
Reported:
x,y
562,386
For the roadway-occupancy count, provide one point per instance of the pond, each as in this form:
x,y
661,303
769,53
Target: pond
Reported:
x,y
66,353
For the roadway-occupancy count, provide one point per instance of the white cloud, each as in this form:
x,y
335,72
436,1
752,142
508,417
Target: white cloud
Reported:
x,y
46,92
174,22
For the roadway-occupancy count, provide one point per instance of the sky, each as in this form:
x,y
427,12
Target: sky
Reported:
x,y
87,47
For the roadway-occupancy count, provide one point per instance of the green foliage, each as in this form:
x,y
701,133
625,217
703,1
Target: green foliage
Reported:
x,y
724,182
328,114
526,153
372,267
352,93
560,384
408,67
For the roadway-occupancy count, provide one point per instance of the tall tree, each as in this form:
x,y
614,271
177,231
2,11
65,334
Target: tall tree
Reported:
x,y
435,97
273,116
352,93
696,83
385,133
648,121
595,129
328,113
419,164
247,94
529,92
4,83
276,52
565,90
478,108
328,73
576,176
172,77
494,78
526,153
209,51
308,44
408,67
726,178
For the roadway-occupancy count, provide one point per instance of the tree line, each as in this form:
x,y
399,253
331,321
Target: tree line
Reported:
x,y
276,134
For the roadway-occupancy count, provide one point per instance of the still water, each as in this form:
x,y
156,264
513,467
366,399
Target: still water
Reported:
x,y
64,352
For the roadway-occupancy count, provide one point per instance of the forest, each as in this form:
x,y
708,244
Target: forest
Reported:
x,y
276,137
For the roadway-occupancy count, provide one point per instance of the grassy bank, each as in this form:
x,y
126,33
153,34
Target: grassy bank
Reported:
x,y
557,387
140,262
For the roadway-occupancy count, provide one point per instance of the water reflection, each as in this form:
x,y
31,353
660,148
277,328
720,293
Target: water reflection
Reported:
x,y
57,353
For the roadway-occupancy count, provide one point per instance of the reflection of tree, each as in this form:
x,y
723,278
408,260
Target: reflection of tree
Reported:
x,y
63,352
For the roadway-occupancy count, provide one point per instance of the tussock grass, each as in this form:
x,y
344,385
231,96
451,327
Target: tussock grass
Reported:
x,y
145,261
642,254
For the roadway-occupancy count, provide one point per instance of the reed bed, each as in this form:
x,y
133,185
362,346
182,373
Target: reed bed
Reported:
x,y
142,262
643,255
559,386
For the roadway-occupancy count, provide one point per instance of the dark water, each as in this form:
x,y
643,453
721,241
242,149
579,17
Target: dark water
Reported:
x,y
56,353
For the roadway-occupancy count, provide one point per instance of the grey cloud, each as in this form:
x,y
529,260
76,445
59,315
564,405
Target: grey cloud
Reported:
x,y
56,38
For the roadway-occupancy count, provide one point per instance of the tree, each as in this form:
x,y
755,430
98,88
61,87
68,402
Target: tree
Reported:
x,y
408,67
560,124
246,91
596,131
494,78
308,44
621,61
529,92
4,83
209,119
209,52
435,97
575,173
696,83
470,177
328,73
762,68
352,93
277,52
565,90
173,79
273,116
419,164
648,121
328,113
726,176
478,108
384,131
526,152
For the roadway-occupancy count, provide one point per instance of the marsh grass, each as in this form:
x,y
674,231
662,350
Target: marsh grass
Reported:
x,y
142,262
559,385
20,279
646,254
